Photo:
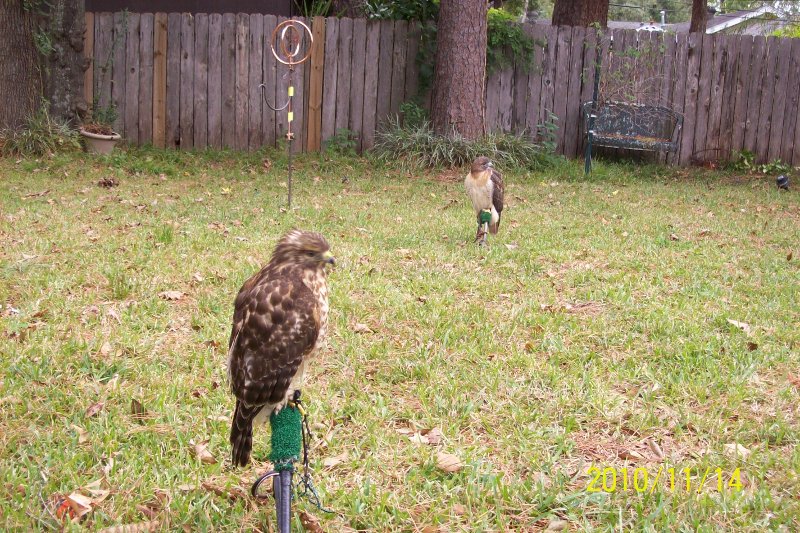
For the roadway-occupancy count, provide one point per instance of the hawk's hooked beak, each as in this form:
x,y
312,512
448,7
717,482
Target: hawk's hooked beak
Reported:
x,y
489,165
327,257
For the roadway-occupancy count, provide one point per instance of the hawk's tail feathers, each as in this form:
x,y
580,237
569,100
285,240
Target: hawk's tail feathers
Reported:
x,y
242,433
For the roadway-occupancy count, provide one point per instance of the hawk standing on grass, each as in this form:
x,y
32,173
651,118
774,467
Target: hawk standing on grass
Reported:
x,y
280,319
485,188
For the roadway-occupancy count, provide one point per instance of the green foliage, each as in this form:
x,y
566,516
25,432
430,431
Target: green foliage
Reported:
x,y
745,161
403,10
344,142
314,8
792,31
41,135
507,42
413,114
417,146
103,115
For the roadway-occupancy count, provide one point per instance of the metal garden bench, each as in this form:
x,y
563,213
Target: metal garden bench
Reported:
x,y
630,126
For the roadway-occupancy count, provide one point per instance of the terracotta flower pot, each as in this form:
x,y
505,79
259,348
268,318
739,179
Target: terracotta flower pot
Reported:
x,y
99,144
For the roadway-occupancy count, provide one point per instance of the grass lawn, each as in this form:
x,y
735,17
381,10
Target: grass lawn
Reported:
x,y
594,332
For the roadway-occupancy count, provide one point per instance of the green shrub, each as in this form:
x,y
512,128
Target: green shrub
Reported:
x,y
416,146
42,135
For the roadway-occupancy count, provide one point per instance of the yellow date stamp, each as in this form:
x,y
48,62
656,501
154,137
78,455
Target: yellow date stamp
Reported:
x,y
646,481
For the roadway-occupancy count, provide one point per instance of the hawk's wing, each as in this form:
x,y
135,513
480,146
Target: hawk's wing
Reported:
x,y
276,324
497,194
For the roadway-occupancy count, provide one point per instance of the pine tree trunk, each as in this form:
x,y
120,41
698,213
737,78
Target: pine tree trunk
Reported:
x,y
699,16
580,13
63,86
460,73
20,83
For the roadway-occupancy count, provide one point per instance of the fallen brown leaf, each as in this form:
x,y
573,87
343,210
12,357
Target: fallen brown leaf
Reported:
x,y
557,525
434,436
361,328
655,448
744,326
630,455
83,435
137,409
448,462
171,295
202,453
736,449
232,493
310,522
330,462
139,527
94,409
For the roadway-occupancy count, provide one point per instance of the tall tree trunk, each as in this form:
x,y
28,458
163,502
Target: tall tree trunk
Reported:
x,y
63,88
580,13
699,16
20,83
460,73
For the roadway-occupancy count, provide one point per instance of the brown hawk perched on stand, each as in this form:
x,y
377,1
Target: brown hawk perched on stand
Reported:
x,y
485,188
280,320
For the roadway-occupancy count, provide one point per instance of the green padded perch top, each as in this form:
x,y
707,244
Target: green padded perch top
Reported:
x,y
287,437
486,216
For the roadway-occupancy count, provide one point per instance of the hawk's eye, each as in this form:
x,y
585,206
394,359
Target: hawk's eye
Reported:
x,y
309,253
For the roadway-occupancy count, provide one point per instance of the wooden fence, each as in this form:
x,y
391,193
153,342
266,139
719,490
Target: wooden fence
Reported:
x,y
192,81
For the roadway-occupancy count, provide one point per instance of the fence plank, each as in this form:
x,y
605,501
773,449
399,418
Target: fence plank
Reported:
x,y
779,98
796,143
281,94
299,102
703,98
316,76
370,86
574,92
757,73
694,52
385,70
159,80
535,80
587,87
330,77
132,79
520,89
562,82
255,74
357,79
187,82
344,56
729,96
269,72
548,75
172,121
716,94
215,80
412,68
117,72
103,58
146,78
88,53
492,105
200,82
242,95
679,87
767,96
740,104
792,106
398,65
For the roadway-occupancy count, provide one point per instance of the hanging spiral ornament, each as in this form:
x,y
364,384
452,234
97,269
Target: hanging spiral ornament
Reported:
x,y
290,42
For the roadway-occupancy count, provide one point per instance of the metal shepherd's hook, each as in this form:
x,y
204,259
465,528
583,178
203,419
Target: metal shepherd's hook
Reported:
x,y
286,42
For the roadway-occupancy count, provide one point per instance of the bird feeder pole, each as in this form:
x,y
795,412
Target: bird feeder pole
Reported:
x,y
285,42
